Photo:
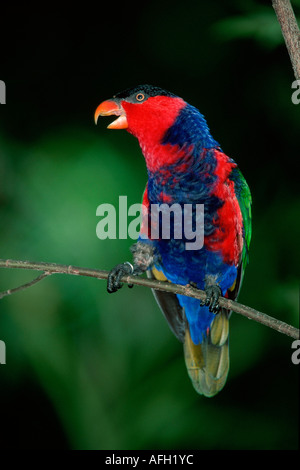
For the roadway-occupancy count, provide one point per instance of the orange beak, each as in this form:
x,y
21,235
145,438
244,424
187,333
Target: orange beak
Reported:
x,y
111,107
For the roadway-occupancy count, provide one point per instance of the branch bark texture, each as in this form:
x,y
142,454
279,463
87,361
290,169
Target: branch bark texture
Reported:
x,y
52,268
290,30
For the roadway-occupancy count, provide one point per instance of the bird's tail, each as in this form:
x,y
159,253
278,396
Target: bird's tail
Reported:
x,y
208,362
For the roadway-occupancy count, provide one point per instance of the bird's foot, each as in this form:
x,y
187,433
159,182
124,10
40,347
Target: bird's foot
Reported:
x,y
116,274
213,293
143,258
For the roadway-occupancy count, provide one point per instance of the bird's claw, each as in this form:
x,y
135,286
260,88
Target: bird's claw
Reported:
x,y
213,293
116,274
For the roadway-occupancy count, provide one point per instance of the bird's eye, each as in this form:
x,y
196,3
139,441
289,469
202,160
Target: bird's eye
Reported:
x,y
140,97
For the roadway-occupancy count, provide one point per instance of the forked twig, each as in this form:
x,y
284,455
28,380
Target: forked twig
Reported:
x,y
52,268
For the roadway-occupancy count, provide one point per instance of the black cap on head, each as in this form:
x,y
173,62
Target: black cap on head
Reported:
x,y
147,90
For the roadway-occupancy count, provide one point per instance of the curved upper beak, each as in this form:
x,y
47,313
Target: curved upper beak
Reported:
x,y
111,107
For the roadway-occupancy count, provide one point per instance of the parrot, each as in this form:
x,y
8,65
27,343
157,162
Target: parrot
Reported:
x,y
186,169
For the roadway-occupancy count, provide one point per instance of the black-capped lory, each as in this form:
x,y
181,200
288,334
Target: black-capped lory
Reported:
x,y
201,189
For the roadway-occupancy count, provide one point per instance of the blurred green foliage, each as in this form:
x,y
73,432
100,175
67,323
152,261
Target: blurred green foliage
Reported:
x,y
86,370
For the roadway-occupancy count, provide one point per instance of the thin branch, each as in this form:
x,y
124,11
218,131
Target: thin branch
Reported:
x,y
290,31
24,286
52,268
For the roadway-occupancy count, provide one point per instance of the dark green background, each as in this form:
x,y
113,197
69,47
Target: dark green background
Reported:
x,y
86,370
